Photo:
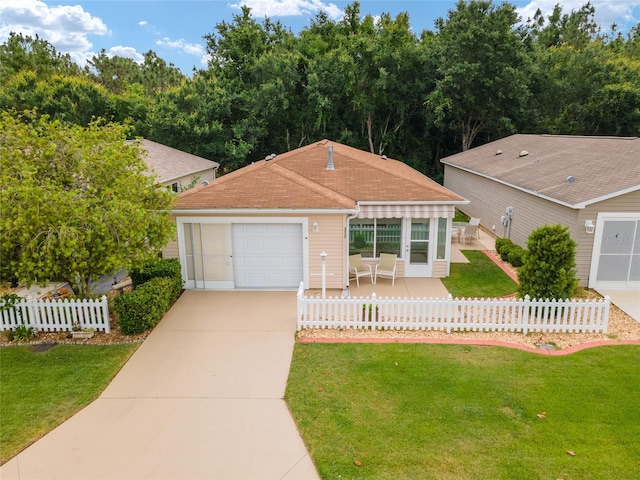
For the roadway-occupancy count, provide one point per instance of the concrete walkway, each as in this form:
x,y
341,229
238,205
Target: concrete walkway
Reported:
x,y
200,399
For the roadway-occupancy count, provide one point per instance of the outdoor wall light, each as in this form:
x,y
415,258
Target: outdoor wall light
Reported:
x,y
316,227
589,226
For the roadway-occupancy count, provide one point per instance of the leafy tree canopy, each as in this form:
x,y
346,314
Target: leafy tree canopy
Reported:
x,y
76,202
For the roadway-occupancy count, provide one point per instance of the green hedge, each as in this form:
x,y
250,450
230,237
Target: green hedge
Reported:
x,y
155,268
143,307
157,285
510,252
515,255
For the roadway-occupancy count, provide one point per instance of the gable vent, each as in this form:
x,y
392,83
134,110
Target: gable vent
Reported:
x,y
330,160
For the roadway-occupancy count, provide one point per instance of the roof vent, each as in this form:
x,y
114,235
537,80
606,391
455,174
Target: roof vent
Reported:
x,y
524,153
570,178
384,157
498,152
270,157
205,183
330,162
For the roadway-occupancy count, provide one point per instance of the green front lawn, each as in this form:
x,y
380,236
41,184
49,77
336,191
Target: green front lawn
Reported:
x,y
409,411
39,390
481,278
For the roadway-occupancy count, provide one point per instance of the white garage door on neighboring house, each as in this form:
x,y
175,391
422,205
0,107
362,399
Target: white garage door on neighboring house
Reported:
x,y
267,255
616,252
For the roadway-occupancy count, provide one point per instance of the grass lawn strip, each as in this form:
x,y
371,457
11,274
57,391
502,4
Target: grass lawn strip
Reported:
x,y
40,390
408,411
481,278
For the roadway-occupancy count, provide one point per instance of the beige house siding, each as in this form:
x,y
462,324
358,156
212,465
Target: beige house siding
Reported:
x,y
184,182
171,250
439,268
329,239
489,200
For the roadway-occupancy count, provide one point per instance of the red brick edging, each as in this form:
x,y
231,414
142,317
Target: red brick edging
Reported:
x,y
512,275
480,343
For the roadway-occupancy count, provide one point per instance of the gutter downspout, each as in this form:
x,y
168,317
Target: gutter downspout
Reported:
x,y
346,241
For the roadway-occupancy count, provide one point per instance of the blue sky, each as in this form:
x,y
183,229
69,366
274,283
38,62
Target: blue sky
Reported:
x,y
174,28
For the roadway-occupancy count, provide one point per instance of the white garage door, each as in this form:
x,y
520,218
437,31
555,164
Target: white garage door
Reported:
x,y
267,255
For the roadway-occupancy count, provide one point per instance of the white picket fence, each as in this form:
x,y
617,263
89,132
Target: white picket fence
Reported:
x,y
57,315
453,314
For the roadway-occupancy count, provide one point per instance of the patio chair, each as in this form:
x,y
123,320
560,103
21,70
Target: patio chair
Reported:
x,y
386,268
469,232
475,221
357,269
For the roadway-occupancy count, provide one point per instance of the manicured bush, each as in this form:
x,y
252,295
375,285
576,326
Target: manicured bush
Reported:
x,y
548,271
143,307
503,245
515,255
155,268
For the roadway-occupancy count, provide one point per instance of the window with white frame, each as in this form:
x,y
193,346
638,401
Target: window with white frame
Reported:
x,y
373,236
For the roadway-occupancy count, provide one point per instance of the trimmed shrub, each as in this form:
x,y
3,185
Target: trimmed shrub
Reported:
x,y
548,271
501,245
143,307
156,268
515,255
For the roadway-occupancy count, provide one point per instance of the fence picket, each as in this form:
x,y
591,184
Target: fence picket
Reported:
x,y
57,315
449,314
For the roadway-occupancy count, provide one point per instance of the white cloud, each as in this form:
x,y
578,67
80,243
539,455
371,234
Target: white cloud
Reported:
x,y
142,23
126,52
182,45
606,11
66,27
289,8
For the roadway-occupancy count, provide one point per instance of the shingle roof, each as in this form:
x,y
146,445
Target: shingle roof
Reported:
x,y
170,164
299,179
572,170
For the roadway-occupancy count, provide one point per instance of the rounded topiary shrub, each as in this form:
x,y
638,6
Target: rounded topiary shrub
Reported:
x,y
548,270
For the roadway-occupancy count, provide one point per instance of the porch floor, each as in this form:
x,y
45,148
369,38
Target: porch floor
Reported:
x,y
412,286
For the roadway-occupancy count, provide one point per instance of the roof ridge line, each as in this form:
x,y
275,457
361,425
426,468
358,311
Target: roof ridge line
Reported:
x,y
326,192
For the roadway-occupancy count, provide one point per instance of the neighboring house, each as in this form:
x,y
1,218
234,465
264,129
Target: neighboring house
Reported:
x,y
177,170
265,225
590,184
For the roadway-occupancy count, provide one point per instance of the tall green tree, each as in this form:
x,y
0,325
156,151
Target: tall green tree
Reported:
x,y
76,202
73,99
25,53
482,71
118,73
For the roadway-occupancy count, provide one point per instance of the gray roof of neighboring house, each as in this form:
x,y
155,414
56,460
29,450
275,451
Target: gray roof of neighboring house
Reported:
x,y
572,170
171,164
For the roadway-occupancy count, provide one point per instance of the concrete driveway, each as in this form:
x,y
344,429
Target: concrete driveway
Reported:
x,y
200,399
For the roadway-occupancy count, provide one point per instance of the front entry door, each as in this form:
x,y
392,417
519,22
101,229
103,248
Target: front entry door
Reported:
x,y
417,248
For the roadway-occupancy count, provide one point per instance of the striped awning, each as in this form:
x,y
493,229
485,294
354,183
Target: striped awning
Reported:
x,y
406,211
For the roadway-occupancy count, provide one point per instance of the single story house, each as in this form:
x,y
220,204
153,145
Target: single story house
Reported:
x,y
176,169
267,224
589,184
